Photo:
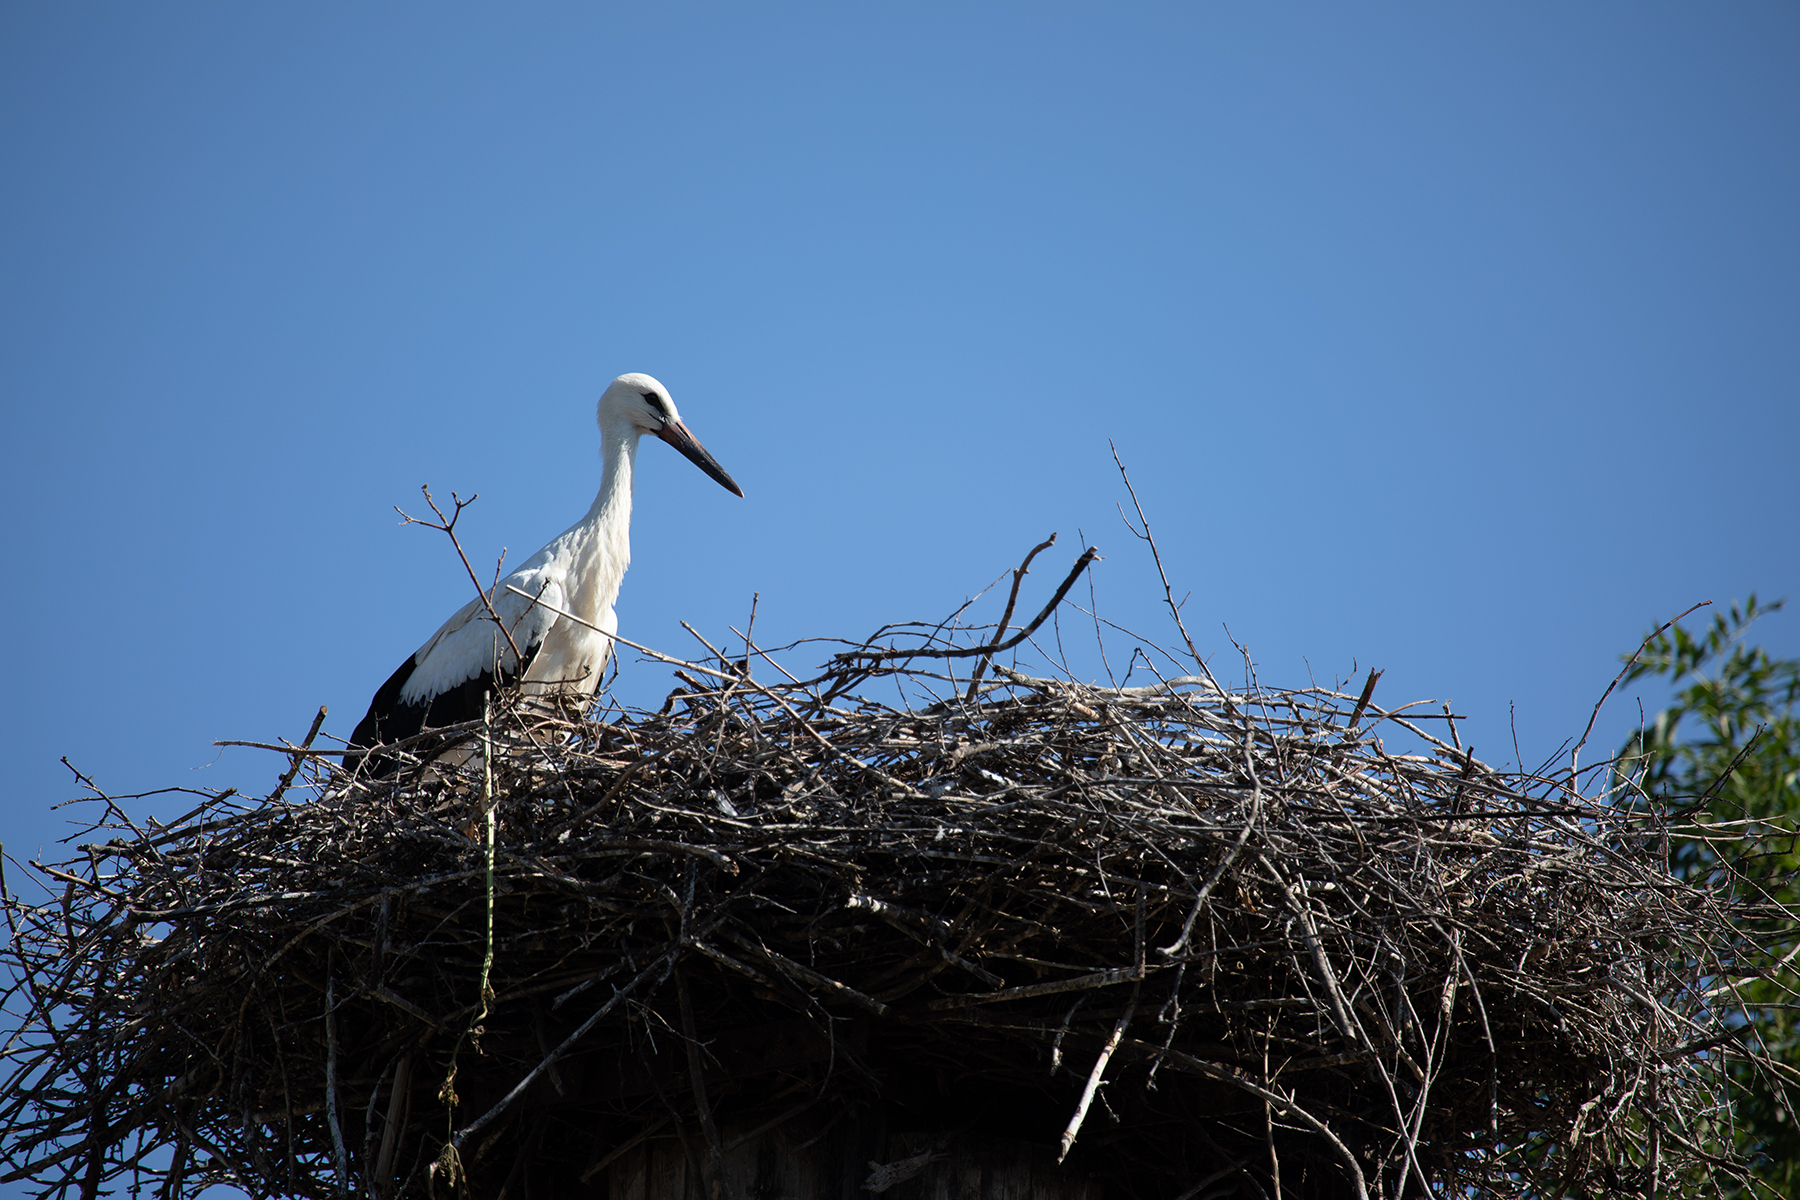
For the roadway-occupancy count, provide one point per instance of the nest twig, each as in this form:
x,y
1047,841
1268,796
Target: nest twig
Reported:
x,y
1181,933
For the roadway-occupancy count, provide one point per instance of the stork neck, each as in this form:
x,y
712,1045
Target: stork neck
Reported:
x,y
612,505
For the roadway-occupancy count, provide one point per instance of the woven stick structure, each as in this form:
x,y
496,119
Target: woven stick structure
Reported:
x,y
1200,941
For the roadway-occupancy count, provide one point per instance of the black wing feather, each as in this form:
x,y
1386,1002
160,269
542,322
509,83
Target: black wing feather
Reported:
x,y
390,719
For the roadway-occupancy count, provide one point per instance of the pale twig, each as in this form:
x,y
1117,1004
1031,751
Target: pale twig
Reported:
x,y
1624,671
1149,539
658,655
340,1160
1144,534
299,757
447,526
1092,1086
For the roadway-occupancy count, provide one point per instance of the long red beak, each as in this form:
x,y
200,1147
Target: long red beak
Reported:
x,y
677,435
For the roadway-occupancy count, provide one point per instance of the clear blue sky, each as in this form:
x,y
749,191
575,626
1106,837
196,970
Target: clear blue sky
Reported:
x,y
1458,340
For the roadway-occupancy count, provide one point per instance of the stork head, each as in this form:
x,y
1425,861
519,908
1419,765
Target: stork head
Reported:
x,y
636,404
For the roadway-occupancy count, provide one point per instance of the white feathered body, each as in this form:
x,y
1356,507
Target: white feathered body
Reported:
x,y
579,572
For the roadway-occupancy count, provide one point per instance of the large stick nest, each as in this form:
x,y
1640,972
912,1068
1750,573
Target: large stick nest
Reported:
x,y
1276,942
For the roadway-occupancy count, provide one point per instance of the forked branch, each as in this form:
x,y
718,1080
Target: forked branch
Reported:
x,y
447,526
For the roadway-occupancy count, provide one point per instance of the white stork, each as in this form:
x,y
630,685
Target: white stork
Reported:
x,y
578,573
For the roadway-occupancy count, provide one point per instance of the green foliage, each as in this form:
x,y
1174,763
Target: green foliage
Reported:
x,y
1723,759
